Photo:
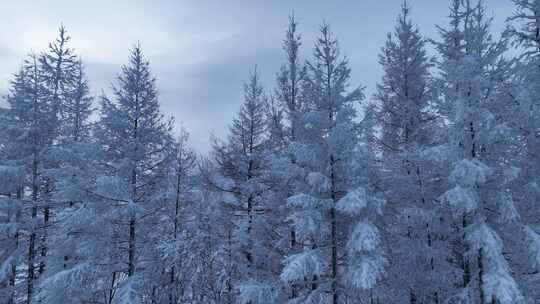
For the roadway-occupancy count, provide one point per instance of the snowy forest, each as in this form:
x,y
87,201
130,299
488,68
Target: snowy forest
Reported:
x,y
424,192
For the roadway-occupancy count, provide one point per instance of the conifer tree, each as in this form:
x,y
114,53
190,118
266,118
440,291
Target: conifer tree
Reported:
x,y
136,141
324,148
290,77
473,70
59,66
522,118
30,132
77,108
241,161
11,228
405,114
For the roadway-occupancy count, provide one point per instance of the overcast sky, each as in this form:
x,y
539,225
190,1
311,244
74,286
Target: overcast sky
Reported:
x,y
202,51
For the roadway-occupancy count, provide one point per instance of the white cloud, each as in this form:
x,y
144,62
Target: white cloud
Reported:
x,y
201,51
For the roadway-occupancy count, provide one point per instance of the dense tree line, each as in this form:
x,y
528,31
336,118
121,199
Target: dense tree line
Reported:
x,y
425,192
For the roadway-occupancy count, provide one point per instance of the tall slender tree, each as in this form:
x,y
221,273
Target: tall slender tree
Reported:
x,y
59,67
523,118
324,148
241,160
290,77
473,70
406,117
71,165
30,133
77,107
135,137
11,228
183,165
291,80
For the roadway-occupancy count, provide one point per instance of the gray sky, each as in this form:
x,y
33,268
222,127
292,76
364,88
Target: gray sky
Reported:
x,y
201,51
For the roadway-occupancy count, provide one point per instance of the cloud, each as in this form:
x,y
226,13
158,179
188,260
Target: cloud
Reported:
x,y
206,95
202,51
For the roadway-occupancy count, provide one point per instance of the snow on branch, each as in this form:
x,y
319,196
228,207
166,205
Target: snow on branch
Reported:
x,y
304,264
461,199
468,173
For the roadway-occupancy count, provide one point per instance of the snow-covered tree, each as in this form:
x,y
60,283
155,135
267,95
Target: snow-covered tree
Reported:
x,y
72,165
29,133
325,146
523,118
136,141
404,112
243,165
59,65
78,256
404,92
473,70
177,249
290,78
11,229
77,108
285,173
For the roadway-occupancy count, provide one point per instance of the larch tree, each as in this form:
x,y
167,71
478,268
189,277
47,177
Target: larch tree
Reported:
x,y
30,133
59,66
404,112
290,77
136,140
291,80
72,165
326,206
524,32
56,68
242,162
11,228
473,70
177,250
77,107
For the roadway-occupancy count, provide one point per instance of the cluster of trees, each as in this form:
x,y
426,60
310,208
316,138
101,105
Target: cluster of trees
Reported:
x,y
424,193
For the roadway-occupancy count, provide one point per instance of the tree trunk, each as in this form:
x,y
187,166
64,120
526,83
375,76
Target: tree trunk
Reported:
x,y
412,296
32,240
13,278
46,216
131,249
334,255
30,278
249,254
111,291
315,279
229,256
333,233
481,276
172,297
465,263
173,293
